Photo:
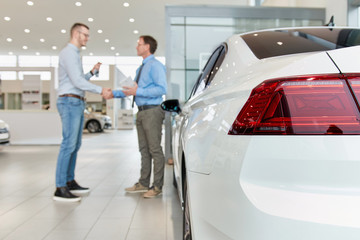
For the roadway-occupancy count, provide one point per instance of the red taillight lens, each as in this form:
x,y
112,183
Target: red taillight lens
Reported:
x,y
303,105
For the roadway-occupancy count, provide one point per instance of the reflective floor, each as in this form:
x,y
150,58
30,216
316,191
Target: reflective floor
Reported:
x,y
107,163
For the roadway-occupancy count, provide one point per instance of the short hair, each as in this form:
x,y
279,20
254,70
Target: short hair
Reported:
x,y
151,41
76,26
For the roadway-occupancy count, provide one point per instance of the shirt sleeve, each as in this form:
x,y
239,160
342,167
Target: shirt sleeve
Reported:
x,y
73,68
159,86
118,94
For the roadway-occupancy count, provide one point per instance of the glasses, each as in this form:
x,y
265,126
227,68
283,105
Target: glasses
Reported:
x,y
86,35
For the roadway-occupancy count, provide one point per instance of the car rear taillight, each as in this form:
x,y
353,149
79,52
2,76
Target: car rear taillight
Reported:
x,y
301,105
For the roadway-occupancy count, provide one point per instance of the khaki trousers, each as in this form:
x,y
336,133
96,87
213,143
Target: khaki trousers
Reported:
x,y
149,129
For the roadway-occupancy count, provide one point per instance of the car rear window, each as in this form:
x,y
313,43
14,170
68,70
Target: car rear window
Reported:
x,y
267,44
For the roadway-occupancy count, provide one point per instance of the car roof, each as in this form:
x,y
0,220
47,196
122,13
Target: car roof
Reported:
x,y
286,41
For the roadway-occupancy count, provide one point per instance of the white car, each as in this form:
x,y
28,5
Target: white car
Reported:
x,y
95,122
267,145
4,134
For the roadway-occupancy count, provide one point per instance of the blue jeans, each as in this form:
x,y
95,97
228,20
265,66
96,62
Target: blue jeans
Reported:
x,y
71,112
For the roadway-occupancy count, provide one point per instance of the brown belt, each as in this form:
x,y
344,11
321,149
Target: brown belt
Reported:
x,y
72,95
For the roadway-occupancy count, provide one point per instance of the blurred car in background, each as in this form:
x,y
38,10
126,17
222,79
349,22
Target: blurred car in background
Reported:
x,y
95,122
4,134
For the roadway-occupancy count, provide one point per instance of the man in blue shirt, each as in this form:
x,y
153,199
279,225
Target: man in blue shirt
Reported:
x,y
72,86
149,87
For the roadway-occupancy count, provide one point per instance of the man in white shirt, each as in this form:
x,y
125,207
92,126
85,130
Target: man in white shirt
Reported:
x,y
72,86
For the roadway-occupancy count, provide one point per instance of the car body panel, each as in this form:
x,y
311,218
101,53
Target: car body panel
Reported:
x,y
342,60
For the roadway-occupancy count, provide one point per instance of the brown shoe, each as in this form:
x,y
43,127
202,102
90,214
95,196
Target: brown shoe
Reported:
x,y
153,192
136,188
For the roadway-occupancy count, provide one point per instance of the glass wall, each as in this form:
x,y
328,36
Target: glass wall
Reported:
x,y
14,101
191,39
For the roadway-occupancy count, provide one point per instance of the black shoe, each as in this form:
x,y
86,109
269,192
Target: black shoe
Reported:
x,y
64,195
75,187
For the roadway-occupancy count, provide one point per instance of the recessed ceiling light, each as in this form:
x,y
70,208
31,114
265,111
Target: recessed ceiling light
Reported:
x,y
78,4
117,54
91,54
7,18
42,40
11,53
126,4
9,39
54,47
90,19
25,47
131,20
100,31
30,3
83,48
63,31
107,40
136,31
37,53
112,48
49,19
27,30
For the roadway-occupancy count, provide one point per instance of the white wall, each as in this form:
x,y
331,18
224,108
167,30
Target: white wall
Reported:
x,y
338,8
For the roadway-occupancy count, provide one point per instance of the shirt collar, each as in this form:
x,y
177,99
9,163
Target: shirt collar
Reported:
x,y
74,47
148,58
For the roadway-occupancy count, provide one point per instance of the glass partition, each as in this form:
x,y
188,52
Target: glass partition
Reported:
x,y
194,32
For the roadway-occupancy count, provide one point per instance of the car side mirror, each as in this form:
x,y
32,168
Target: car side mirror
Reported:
x,y
171,105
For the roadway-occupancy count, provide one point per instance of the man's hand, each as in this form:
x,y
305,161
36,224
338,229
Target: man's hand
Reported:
x,y
96,67
130,90
107,93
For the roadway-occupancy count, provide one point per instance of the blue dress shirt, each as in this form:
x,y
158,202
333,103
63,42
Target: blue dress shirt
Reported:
x,y
152,83
71,74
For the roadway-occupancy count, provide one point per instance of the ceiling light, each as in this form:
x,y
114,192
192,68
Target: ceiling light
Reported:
x,y
117,54
54,47
49,19
136,31
90,19
112,48
131,20
9,39
30,3
107,40
7,18
63,31
42,40
27,30
11,53
100,31
91,54
78,4
37,53
83,48
126,4
25,47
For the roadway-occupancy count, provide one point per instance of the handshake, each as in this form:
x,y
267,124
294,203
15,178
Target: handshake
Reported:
x,y
107,93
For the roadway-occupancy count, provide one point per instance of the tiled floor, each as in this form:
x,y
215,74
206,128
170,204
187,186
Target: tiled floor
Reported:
x,y
107,163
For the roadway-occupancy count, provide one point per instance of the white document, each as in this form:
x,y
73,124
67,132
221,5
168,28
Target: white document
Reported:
x,y
126,82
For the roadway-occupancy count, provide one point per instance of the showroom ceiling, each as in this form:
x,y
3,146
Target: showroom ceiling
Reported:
x,y
41,27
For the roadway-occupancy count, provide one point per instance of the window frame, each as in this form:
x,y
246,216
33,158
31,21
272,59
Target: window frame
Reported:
x,y
210,69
